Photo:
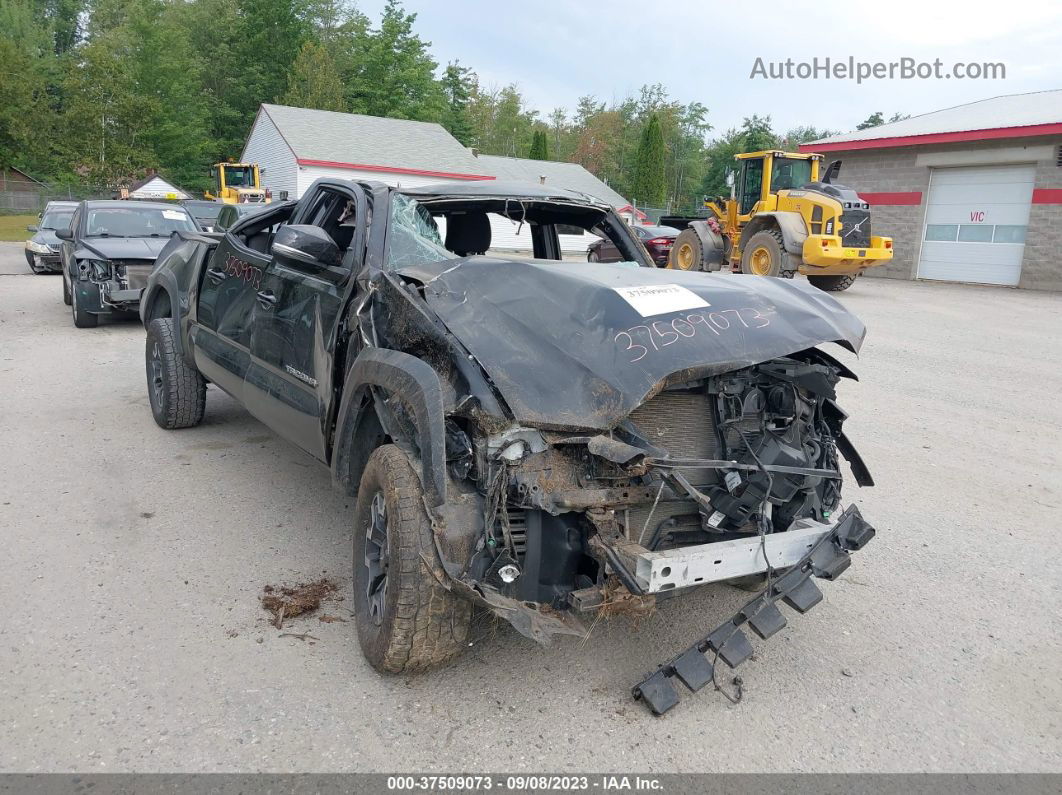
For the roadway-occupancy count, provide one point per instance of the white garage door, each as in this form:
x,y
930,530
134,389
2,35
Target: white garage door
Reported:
x,y
976,219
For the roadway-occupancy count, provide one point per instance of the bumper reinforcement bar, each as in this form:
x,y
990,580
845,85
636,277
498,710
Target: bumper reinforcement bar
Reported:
x,y
827,559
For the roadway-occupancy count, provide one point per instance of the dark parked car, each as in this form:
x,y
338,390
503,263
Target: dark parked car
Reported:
x,y
550,440
42,250
231,213
205,212
656,239
108,251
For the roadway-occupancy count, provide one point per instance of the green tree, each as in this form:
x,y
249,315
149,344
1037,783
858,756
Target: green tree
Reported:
x,y
755,135
392,72
875,119
458,83
649,185
314,81
804,134
539,146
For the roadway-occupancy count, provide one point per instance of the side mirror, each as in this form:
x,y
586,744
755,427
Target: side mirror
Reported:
x,y
64,234
32,228
302,244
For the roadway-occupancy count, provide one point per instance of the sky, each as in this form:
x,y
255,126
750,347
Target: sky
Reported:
x,y
705,51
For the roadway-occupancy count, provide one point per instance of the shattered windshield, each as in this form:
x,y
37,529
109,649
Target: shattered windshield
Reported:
x,y
415,237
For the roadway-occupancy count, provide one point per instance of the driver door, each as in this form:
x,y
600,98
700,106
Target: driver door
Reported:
x,y
295,319
226,300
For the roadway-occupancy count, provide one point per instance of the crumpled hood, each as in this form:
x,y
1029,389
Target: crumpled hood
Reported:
x,y
46,237
581,345
122,247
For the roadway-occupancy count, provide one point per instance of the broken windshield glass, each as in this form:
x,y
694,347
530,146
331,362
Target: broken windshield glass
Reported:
x,y
415,237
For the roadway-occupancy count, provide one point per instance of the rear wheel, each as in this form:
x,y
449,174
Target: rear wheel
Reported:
x,y
833,284
80,304
764,253
176,390
406,618
687,254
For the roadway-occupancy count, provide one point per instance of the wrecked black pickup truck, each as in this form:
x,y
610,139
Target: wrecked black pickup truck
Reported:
x,y
547,439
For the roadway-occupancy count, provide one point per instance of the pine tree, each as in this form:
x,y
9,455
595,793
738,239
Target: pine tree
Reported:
x,y
649,186
314,81
539,146
458,82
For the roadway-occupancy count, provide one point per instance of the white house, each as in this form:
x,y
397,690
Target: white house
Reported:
x,y
295,146
155,187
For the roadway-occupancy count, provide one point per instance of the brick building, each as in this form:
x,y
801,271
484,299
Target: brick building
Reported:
x,y
970,194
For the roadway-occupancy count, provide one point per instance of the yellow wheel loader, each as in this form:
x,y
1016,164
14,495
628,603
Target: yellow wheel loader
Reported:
x,y
781,219
237,183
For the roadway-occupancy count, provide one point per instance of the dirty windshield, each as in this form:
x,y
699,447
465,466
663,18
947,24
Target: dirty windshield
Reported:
x,y
135,221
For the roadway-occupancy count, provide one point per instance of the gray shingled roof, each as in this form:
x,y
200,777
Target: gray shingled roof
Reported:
x,y
1012,110
371,140
571,176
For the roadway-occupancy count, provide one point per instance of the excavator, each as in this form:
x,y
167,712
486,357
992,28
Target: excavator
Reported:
x,y
782,219
237,183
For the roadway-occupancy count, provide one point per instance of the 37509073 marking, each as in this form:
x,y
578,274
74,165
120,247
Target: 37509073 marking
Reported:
x,y
661,333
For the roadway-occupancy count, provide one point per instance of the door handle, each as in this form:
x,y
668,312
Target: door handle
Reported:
x,y
216,276
267,299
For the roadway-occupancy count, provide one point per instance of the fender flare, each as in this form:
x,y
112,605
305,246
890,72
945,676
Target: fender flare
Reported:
x,y
417,384
790,224
165,282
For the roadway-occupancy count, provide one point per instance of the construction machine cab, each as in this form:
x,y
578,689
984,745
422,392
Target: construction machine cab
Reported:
x,y
237,183
762,174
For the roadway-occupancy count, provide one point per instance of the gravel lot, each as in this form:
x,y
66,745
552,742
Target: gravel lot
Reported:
x,y
132,638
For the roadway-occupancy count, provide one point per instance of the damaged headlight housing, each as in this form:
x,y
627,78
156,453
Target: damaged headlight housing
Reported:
x,y
97,270
37,248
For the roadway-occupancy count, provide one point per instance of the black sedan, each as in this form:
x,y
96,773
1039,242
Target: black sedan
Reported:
x,y
108,251
656,239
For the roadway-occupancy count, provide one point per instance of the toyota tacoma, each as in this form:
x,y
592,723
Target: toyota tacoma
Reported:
x,y
547,439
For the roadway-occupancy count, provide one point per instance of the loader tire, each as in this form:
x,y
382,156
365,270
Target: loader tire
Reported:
x,y
407,620
687,254
764,254
833,284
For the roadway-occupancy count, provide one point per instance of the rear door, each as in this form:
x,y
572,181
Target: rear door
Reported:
x,y
295,324
227,292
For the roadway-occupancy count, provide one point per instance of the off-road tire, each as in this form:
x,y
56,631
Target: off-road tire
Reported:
x,y
833,284
178,396
82,317
687,253
770,241
66,291
422,624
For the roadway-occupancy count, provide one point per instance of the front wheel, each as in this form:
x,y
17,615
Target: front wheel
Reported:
x,y
687,254
176,390
80,304
66,292
833,284
764,253
407,620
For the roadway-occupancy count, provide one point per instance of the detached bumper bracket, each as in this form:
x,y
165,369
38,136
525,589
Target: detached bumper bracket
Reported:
x,y
827,560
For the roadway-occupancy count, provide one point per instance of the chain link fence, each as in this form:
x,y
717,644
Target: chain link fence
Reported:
x,y
30,198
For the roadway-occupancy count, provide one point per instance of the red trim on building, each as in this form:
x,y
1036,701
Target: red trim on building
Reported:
x,y
938,138
1047,196
302,161
913,197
